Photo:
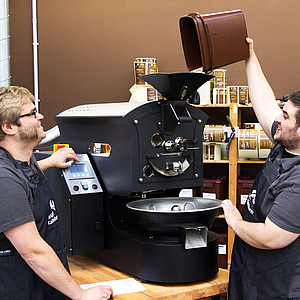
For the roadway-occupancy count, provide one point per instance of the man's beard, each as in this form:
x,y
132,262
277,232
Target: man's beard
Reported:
x,y
289,140
29,134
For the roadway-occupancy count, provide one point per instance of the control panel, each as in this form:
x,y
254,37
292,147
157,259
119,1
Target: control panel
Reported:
x,y
80,177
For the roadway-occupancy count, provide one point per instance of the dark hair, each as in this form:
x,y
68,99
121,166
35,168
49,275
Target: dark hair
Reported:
x,y
295,99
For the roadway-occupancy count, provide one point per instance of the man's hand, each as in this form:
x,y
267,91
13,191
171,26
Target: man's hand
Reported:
x,y
251,46
62,158
232,214
100,292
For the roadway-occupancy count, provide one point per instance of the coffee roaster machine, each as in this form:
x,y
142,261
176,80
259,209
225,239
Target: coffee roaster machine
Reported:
x,y
140,155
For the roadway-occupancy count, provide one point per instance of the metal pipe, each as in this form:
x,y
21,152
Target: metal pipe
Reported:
x,y
52,135
35,54
4,44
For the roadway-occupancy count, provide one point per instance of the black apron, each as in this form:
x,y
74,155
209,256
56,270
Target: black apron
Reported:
x,y
255,273
18,280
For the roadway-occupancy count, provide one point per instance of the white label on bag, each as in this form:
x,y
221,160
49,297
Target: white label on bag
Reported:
x,y
222,249
209,195
186,193
243,199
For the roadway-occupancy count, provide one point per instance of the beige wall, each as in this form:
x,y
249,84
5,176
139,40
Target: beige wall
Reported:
x,y
87,48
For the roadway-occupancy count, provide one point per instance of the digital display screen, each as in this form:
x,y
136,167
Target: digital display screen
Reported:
x,y
82,172
78,168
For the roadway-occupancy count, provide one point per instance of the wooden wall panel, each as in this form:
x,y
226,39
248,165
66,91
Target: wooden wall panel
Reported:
x,y
87,48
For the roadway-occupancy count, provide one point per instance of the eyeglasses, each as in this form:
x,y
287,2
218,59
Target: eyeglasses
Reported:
x,y
29,114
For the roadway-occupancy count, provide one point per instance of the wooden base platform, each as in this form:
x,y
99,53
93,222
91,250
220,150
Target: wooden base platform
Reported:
x,y
87,270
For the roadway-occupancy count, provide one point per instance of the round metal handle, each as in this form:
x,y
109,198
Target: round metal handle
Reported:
x,y
189,203
152,207
176,208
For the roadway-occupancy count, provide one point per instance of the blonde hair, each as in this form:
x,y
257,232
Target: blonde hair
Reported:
x,y
11,100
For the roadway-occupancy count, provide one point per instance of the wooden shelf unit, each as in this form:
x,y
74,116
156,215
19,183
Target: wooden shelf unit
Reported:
x,y
238,114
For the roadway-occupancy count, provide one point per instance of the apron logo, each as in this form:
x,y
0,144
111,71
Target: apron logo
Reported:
x,y
52,217
251,201
6,252
52,204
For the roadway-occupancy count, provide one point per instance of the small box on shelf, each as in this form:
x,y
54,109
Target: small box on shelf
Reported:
x,y
244,188
238,94
264,143
222,250
247,143
220,96
223,245
253,143
212,151
220,79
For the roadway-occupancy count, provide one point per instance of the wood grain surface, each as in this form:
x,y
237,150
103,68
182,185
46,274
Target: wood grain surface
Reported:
x,y
87,270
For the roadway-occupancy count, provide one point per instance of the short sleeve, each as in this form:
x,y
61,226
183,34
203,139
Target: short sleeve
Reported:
x,y
14,202
286,208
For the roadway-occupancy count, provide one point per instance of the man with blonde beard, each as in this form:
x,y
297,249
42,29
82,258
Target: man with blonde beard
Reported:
x,y
33,262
